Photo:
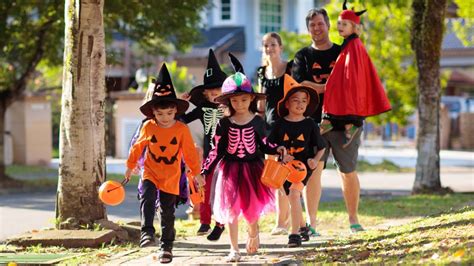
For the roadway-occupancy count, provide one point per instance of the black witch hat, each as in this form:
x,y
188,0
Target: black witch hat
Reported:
x,y
236,64
213,79
163,91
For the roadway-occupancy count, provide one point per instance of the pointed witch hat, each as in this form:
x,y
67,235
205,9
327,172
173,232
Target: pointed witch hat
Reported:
x,y
213,79
163,91
290,86
350,14
236,64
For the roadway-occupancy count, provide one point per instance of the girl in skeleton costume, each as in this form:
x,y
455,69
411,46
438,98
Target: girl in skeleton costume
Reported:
x,y
239,142
209,112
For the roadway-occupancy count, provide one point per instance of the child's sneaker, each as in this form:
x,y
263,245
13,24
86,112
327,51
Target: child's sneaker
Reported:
x,y
165,255
350,134
234,256
294,241
304,233
355,228
204,229
147,240
279,231
216,233
313,231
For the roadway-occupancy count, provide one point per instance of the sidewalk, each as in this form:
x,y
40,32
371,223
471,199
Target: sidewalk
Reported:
x,y
199,251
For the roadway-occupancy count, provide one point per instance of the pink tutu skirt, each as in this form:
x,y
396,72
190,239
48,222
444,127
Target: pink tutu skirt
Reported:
x,y
237,190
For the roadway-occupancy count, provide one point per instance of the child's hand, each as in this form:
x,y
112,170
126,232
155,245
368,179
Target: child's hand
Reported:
x,y
287,158
200,181
312,163
281,150
130,172
186,96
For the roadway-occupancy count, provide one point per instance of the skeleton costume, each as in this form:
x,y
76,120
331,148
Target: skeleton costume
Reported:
x,y
238,158
209,113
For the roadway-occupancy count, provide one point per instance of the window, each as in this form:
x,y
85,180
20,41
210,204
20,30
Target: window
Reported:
x,y
226,10
270,16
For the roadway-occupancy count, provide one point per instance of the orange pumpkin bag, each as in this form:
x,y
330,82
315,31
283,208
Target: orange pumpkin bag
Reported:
x,y
112,192
195,195
274,174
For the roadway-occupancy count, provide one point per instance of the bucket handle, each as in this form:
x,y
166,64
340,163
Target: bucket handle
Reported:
x,y
123,183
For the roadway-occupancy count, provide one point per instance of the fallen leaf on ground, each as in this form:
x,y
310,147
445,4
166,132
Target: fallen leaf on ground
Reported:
x,y
459,253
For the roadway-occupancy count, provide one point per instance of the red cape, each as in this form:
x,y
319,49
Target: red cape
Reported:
x,y
354,88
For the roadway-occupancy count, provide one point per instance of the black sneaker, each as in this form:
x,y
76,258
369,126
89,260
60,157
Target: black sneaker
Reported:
x,y
204,230
216,233
294,241
304,233
147,240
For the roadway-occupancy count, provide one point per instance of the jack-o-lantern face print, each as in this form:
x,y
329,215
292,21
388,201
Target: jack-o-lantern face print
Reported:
x,y
163,90
297,171
295,145
163,150
321,73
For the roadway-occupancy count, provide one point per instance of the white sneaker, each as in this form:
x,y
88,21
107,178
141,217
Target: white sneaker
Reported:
x,y
234,256
279,231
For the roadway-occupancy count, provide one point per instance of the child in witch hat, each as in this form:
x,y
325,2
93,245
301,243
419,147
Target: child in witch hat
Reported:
x,y
167,142
237,189
353,90
299,134
209,112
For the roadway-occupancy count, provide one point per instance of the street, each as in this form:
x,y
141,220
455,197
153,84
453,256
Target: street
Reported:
x,y
22,212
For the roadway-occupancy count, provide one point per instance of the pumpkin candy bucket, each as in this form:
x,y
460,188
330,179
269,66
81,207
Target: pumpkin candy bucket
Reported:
x,y
297,171
112,192
274,174
195,195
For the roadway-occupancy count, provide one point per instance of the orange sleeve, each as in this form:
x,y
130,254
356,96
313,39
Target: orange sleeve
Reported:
x,y
137,148
191,156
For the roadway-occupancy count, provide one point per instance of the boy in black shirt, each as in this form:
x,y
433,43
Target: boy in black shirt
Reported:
x,y
299,134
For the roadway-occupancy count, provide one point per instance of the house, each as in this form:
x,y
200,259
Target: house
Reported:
x,y
238,26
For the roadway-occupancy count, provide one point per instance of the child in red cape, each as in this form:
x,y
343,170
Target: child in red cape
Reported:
x,y
353,90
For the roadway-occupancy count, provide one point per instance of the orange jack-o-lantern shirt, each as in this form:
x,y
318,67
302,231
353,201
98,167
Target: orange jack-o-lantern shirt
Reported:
x,y
165,147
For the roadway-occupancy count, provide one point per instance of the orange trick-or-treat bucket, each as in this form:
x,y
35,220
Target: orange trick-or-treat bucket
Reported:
x,y
297,171
111,193
196,195
274,174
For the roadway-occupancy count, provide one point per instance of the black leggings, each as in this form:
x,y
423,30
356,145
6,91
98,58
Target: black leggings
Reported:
x,y
148,210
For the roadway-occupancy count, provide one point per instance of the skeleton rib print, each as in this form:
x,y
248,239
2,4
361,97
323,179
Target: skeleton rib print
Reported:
x,y
211,116
241,141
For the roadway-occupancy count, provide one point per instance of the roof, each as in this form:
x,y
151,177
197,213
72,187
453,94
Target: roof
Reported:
x,y
451,41
230,39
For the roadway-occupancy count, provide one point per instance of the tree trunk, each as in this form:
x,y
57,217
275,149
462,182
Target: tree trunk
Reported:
x,y
82,129
3,110
427,36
